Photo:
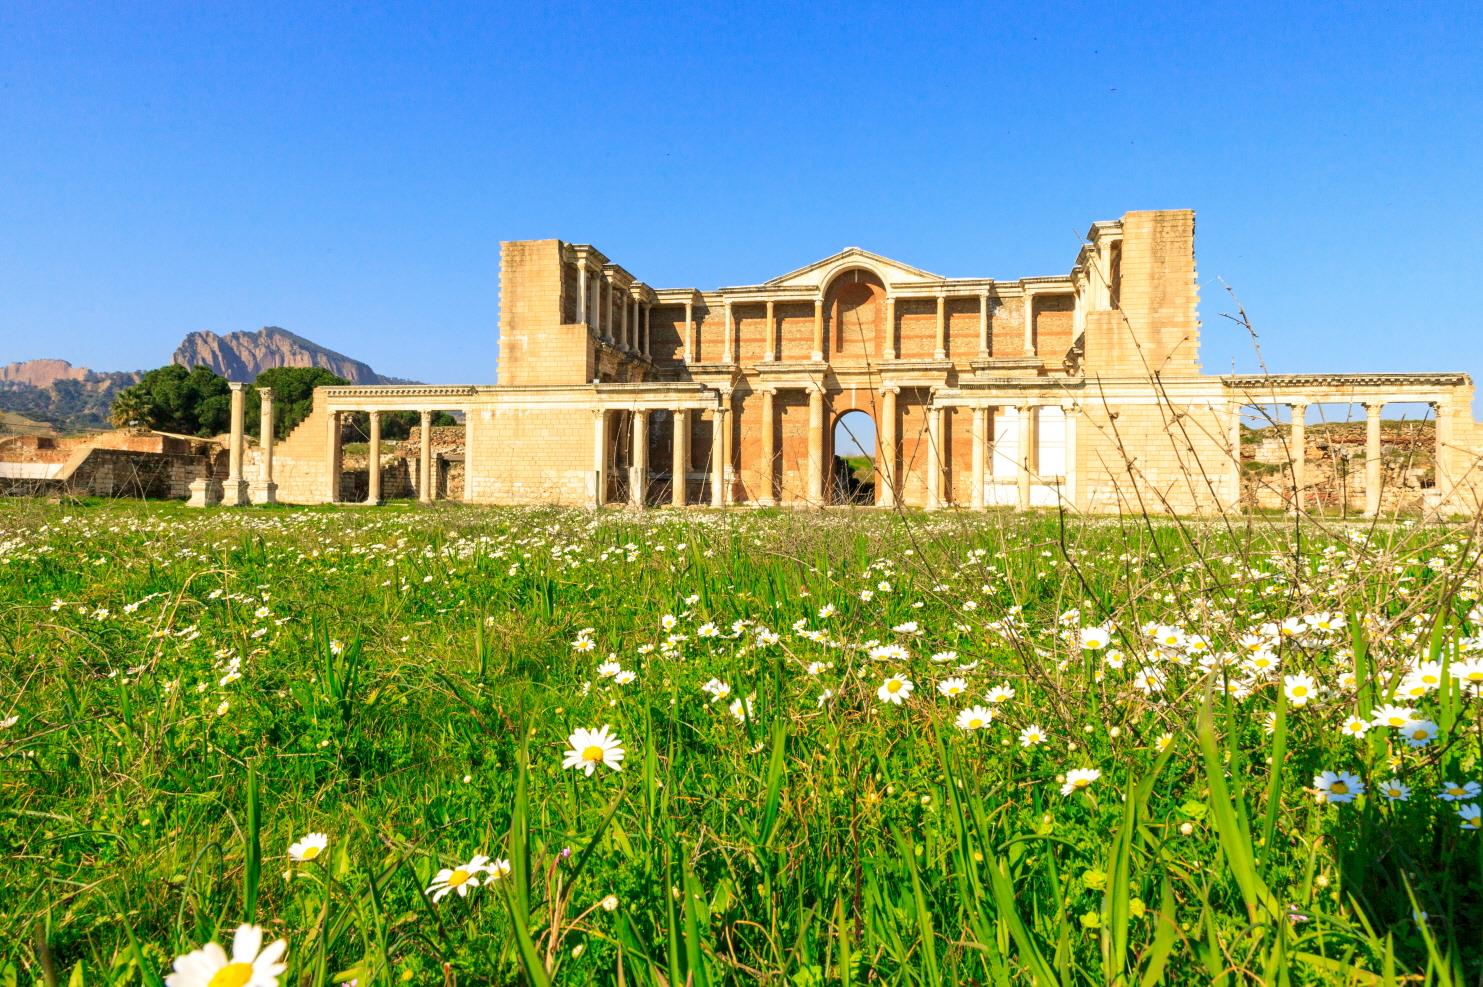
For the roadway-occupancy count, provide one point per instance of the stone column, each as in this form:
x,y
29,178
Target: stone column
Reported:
x,y
582,293
890,353
680,461
1029,323
688,338
888,453
648,330
1026,454
983,325
1234,476
728,351
425,460
267,490
719,427
818,354
940,351
332,457
599,457
234,492
623,339
1442,439
638,472
373,461
1298,450
1071,410
771,336
979,414
1372,457
769,444
815,487
608,320
934,457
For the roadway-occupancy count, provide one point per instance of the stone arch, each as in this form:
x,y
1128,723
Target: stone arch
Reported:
x,y
852,432
855,315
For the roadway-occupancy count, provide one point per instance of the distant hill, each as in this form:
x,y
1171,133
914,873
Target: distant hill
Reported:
x,y
76,399
68,398
244,355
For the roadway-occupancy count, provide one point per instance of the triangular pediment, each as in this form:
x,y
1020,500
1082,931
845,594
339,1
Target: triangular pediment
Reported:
x,y
890,271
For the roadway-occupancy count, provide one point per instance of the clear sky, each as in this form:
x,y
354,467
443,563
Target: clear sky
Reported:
x,y
348,171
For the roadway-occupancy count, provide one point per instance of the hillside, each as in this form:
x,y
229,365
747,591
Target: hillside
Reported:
x,y
244,355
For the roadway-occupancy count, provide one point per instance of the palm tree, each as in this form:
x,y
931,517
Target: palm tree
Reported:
x,y
131,410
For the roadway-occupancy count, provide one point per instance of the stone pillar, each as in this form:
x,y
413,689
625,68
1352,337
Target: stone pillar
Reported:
x,y
818,354
771,336
1372,457
623,340
1442,440
373,461
886,468
1029,323
582,293
648,330
688,338
425,460
607,316
940,351
815,487
1298,450
1071,410
234,492
332,457
720,425
680,461
638,472
983,325
890,353
599,457
267,490
1026,454
728,351
979,414
769,444
1234,476
934,457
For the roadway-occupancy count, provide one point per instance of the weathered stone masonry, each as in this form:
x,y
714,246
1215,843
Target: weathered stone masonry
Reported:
x,y
1081,390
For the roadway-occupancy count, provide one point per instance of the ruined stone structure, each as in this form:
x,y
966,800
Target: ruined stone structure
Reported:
x,y
1080,390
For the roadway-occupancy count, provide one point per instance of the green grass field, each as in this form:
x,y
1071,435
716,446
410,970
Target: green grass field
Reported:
x,y
858,748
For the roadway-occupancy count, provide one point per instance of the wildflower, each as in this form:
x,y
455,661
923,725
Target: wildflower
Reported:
x,y
1298,688
589,748
608,669
1395,717
895,689
952,687
1419,733
624,677
717,689
308,848
943,657
668,622
610,903
1079,778
1094,638
1460,791
741,709
974,718
1031,736
459,878
1338,786
889,652
1162,743
827,610
1354,727
250,964
999,693
1470,817
1392,789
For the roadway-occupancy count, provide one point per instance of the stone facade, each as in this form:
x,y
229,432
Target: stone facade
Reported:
x,y
1081,390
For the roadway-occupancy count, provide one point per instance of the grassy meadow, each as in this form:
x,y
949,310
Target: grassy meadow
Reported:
x,y
856,747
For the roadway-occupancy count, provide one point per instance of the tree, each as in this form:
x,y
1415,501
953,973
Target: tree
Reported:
x,y
131,409
293,396
174,399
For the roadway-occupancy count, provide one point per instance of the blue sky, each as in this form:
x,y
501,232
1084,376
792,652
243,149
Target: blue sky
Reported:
x,y
347,172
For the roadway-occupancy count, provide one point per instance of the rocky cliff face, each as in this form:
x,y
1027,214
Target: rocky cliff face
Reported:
x,y
61,395
41,373
244,355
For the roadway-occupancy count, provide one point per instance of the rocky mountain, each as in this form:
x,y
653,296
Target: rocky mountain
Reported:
x,y
244,355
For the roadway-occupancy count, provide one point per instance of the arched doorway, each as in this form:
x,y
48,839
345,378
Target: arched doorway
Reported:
x,y
856,304
852,467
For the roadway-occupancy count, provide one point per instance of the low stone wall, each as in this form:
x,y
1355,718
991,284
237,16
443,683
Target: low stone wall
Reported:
x,y
99,472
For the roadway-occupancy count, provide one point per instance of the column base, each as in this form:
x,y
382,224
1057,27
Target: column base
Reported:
x,y
265,493
204,493
235,493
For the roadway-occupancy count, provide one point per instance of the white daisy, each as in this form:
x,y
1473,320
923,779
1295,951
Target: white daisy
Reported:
x,y
250,965
586,749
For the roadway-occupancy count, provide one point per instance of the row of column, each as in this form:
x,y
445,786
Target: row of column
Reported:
x,y
772,343
722,451
595,307
1298,451
333,456
236,490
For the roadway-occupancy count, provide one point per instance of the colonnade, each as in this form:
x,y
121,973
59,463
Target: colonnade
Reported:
x,y
622,322
334,455
1297,446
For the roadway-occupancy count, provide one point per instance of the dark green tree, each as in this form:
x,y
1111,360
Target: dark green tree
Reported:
x,y
293,396
174,399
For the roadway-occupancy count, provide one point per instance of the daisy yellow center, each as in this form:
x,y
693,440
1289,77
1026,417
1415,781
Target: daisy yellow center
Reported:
x,y
309,852
458,878
1393,792
593,753
1082,782
231,975
893,686
1339,788
1474,822
1475,676
1419,734
975,723
1300,690
1456,790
